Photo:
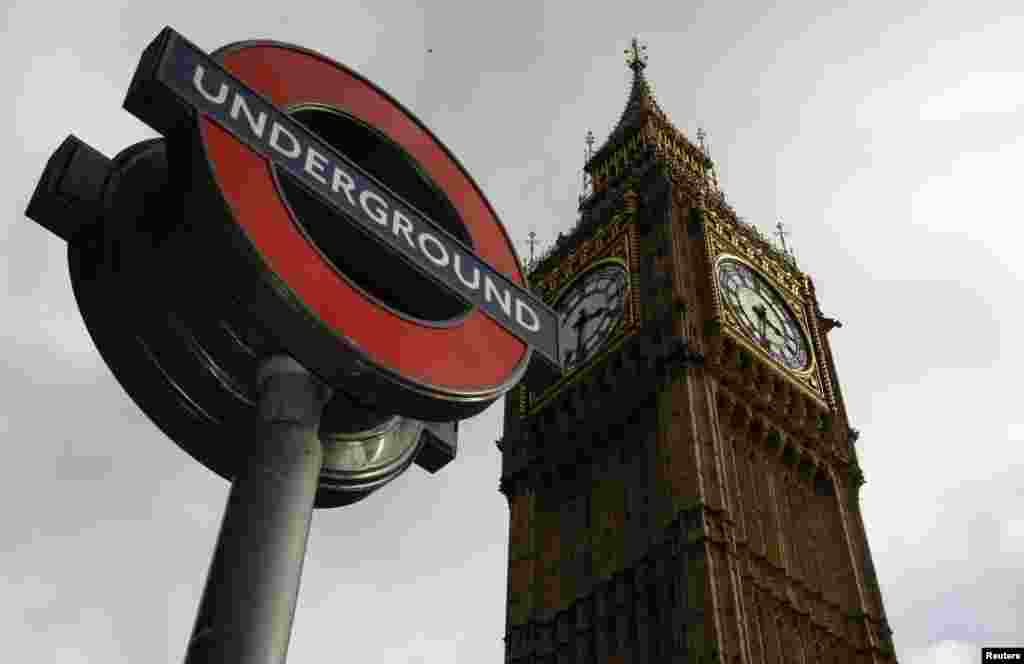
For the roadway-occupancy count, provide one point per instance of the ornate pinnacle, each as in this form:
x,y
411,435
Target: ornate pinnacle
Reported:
x,y
781,234
636,55
532,242
588,155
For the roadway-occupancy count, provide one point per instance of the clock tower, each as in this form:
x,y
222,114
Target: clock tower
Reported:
x,y
688,489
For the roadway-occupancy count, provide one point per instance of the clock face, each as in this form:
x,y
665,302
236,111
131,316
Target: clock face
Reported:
x,y
763,314
589,311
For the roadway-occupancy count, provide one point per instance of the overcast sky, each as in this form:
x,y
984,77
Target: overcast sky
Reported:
x,y
887,135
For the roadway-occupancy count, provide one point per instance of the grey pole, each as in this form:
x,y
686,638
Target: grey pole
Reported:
x,y
245,615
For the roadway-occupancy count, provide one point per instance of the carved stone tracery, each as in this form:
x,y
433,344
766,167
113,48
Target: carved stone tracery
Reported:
x,y
763,564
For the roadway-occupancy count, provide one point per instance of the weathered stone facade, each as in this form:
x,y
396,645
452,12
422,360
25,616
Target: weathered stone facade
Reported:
x,y
681,497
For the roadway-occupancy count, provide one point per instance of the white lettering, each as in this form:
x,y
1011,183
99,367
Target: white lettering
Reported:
x,y
380,211
490,288
197,80
342,180
458,272
521,308
439,261
276,131
256,124
402,224
315,162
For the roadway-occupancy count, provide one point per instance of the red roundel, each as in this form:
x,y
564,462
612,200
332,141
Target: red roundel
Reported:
x,y
474,356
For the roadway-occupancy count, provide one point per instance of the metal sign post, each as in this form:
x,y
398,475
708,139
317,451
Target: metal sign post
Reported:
x,y
301,286
248,602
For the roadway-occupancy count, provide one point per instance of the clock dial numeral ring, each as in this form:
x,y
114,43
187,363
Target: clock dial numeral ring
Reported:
x,y
762,313
590,309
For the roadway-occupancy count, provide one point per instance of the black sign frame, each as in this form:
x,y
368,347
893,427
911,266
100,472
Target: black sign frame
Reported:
x,y
171,86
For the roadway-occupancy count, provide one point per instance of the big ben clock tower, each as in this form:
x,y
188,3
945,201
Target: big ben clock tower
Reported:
x,y
687,490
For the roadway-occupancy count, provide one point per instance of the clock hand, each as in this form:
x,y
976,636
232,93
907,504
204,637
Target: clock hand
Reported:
x,y
580,326
763,316
581,321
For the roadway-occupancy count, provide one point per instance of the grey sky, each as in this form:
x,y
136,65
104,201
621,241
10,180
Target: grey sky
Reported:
x,y
886,135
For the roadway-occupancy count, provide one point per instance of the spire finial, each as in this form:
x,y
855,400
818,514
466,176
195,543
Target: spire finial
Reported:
x,y
587,155
636,55
781,233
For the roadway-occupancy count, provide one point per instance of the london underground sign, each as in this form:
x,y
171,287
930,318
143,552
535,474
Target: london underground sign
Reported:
x,y
292,208
300,286
176,81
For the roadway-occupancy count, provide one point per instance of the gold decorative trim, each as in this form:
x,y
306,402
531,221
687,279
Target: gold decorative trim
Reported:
x,y
615,243
828,389
812,377
668,144
807,384
599,245
726,236
795,307
616,163
671,146
534,403
613,260
712,248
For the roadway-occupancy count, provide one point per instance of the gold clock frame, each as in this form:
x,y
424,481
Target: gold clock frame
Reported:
x,y
617,244
724,241
729,318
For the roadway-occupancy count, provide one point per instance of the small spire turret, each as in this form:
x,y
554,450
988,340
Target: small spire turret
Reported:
x,y
587,188
781,233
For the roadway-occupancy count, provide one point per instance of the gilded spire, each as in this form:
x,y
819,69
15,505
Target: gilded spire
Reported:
x,y
638,106
643,132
